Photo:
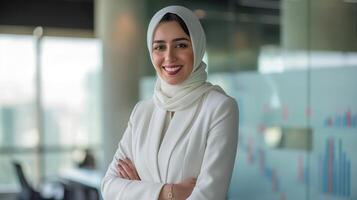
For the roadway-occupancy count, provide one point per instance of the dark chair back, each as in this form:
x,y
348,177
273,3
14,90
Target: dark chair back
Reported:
x,y
27,191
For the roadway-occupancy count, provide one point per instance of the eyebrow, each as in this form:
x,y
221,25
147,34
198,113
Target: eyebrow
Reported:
x,y
174,40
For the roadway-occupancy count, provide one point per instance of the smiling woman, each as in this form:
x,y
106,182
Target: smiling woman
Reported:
x,y
181,144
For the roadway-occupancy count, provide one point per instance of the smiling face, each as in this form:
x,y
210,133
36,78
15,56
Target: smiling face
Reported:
x,y
172,53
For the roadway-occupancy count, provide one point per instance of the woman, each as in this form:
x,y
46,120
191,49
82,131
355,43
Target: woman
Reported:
x,y
181,144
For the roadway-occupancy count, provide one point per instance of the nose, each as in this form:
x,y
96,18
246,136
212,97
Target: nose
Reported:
x,y
170,55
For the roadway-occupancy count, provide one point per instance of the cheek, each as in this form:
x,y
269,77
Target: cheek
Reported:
x,y
156,61
189,59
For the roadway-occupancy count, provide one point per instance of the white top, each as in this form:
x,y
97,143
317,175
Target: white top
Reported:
x,y
204,147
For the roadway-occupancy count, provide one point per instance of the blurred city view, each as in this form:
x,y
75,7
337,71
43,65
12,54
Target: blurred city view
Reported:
x,y
70,103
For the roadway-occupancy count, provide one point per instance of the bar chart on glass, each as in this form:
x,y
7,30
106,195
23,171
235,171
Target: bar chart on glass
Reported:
x,y
325,105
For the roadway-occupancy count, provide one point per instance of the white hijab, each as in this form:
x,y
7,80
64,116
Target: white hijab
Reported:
x,y
181,96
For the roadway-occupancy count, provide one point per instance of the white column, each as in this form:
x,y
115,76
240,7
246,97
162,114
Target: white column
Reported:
x,y
119,24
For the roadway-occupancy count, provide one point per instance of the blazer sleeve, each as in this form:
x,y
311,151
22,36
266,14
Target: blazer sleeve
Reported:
x,y
219,157
115,188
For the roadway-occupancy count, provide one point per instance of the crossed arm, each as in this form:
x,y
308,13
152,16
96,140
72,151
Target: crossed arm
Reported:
x,y
183,190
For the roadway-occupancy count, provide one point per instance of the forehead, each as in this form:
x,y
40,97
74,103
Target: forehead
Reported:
x,y
169,30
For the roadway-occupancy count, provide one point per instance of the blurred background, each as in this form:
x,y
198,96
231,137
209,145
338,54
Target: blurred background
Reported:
x,y
72,70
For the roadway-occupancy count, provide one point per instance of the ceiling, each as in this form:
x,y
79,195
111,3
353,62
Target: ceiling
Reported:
x,y
74,14
79,14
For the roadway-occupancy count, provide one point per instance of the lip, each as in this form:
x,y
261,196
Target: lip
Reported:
x,y
172,70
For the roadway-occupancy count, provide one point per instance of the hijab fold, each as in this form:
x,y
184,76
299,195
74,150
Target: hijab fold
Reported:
x,y
184,95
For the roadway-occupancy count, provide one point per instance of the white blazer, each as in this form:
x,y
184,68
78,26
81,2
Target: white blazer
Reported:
x,y
206,150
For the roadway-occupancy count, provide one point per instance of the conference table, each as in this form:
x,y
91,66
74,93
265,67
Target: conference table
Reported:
x,y
81,184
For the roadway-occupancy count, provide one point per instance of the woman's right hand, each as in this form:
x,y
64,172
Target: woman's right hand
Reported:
x,y
127,170
184,189
181,191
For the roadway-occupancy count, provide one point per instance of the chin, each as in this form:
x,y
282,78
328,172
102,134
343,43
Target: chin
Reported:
x,y
173,81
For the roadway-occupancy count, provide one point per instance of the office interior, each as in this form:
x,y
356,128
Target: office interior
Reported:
x,y
71,71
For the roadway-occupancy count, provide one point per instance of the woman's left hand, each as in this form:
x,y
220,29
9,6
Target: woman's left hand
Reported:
x,y
127,170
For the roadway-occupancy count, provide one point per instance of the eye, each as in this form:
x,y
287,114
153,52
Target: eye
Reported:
x,y
159,47
181,45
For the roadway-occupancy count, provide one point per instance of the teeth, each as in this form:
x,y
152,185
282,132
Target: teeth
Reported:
x,y
172,69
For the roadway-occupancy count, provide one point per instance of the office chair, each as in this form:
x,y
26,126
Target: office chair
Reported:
x,y
27,191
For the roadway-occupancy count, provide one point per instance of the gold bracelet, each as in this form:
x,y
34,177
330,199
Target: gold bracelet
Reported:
x,y
170,195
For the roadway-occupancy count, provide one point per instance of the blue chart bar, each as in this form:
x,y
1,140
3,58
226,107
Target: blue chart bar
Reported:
x,y
268,172
306,174
344,120
302,170
335,169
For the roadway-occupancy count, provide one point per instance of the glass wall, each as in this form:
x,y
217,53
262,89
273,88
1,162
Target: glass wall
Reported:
x,y
17,105
69,101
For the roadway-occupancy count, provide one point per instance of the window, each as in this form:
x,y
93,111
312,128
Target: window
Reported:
x,y
70,93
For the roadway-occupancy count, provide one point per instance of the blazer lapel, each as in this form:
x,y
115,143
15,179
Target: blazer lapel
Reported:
x,y
155,130
179,126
